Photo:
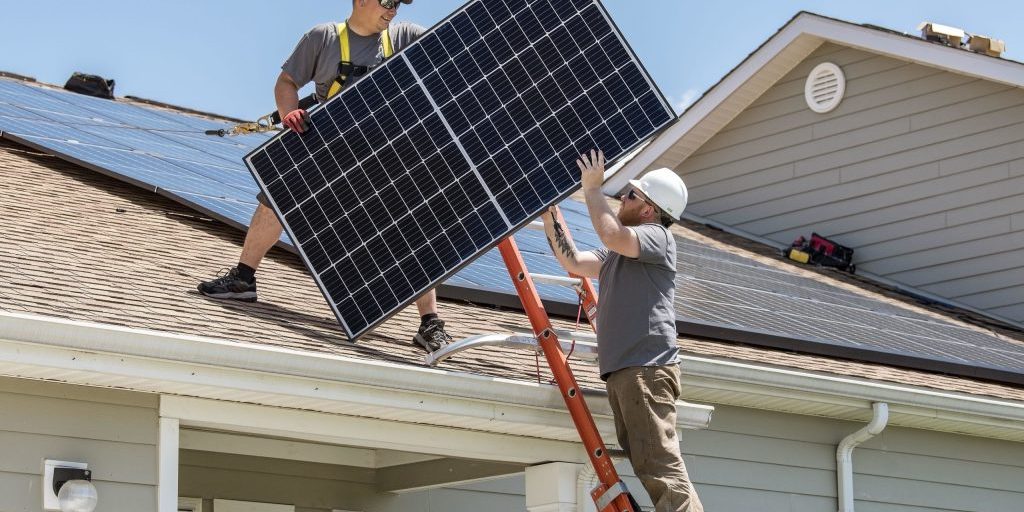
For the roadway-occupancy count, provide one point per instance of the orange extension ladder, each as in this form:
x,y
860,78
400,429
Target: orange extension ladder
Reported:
x,y
611,495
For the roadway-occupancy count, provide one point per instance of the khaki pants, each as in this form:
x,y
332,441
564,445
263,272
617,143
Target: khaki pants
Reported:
x,y
643,400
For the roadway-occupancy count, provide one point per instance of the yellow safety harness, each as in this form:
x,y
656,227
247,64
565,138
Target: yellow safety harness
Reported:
x,y
346,55
267,122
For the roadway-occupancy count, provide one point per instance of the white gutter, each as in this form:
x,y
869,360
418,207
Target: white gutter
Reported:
x,y
87,353
844,453
763,386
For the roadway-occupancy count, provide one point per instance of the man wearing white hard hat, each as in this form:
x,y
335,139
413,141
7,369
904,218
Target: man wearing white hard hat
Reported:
x,y
636,325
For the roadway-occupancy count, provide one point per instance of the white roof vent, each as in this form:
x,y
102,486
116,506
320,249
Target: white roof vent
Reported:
x,y
825,87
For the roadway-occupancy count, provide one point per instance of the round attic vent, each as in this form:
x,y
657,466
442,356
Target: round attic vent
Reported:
x,y
825,87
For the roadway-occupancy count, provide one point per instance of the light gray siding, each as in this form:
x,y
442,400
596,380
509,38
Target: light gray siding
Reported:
x,y
772,462
115,432
921,171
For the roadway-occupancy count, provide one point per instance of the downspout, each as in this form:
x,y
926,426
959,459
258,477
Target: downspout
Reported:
x,y
844,453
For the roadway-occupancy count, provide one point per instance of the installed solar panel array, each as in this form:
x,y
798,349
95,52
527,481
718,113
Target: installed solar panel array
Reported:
x,y
718,289
159,150
153,149
452,145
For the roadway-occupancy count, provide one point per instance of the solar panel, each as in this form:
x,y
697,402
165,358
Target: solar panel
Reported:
x,y
451,145
98,134
719,291
155,149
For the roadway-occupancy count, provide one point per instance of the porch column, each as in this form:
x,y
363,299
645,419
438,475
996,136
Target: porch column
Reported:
x,y
167,483
551,487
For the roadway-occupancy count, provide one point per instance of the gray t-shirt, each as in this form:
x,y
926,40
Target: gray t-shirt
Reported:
x,y
316,57
636,319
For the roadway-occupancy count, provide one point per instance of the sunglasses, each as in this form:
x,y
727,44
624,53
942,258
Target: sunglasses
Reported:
x,y
633,195
393,4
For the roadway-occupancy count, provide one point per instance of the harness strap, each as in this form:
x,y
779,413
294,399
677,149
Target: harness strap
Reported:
x,y
346,54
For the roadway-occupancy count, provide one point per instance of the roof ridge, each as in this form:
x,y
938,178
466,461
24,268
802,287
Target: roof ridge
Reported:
x,y
130,99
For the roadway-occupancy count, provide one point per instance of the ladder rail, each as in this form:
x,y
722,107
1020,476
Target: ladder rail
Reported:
x,y
611,494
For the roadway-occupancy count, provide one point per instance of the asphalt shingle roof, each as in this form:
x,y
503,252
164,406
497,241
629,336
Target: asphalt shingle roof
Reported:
x,y
83,246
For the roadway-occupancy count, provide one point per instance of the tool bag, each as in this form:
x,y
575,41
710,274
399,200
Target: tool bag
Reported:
x,y
823,252
90,85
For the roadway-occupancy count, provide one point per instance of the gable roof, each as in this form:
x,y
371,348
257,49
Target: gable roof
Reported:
x,y
777,56
766,67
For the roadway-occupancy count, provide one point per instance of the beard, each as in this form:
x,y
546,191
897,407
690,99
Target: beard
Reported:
x,y
628,218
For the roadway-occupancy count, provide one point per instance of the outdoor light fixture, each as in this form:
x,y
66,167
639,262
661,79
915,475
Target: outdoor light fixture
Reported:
x,y
67,487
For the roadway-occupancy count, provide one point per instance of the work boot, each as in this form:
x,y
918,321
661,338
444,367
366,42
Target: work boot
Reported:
x,y
432,336
229,285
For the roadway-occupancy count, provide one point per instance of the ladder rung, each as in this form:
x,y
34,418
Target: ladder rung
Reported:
x,y
536,224
557,280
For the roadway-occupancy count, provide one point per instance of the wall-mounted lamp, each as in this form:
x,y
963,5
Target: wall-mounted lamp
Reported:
x,y
67,487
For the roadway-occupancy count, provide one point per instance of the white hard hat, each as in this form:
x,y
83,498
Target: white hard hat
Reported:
x,y
665,189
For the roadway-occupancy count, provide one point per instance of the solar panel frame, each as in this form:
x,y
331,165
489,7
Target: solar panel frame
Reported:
x,y
495,135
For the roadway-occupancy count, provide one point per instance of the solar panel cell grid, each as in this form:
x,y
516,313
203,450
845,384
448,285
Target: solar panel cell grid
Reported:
x,y
450,145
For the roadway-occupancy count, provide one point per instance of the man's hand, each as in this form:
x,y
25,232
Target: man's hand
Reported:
x,y
592,169
297,120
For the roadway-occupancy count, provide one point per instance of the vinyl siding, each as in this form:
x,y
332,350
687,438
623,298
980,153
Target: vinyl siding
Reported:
x,y
772,462
115,432
921,171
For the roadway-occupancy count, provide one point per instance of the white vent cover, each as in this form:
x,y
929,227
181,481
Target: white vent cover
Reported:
x,y
825,87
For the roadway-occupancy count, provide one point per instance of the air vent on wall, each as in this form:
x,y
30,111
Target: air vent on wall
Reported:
x,y
825,87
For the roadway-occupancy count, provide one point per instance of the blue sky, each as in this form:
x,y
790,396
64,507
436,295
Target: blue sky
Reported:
x,y
223,56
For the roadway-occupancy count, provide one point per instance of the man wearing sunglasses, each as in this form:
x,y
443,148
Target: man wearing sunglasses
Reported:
x,y
636,326
332,55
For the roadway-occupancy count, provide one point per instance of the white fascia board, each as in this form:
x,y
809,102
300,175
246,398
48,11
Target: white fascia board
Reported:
x,y
91,354
819,29
849,397
101,355
373,433
913,49
700,110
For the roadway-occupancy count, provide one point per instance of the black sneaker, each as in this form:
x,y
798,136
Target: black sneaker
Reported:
x,y
432,336
228,285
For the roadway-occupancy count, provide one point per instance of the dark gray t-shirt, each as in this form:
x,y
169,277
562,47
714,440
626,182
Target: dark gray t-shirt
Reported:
x,y
316,57
636,319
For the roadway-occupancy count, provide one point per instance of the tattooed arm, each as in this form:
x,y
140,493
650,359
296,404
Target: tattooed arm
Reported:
x,y
584,263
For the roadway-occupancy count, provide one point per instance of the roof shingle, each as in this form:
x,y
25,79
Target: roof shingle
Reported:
x,y
83,246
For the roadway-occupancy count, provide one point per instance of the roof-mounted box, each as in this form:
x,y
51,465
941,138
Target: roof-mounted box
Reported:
x,y
949,36
987,45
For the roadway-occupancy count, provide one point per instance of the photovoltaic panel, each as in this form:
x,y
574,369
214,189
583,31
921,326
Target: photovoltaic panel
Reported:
x,y
33,99
718,291
156,149
451,145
